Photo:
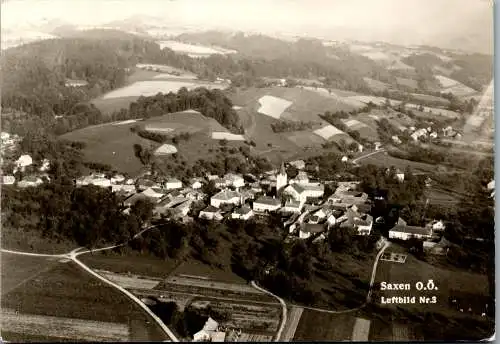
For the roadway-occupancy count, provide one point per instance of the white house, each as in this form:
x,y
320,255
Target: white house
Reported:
x,y
437,226
154,193
378,146
117,179
127,189
404,232
418,134
173,183
210,213
195,183
396,140
292,207
8,180
205,334
266,203
225,197
345,159
362,223
298,164
24,161
94,180
183,208
308,229
234,180
300,192
243,213
433,135
30,181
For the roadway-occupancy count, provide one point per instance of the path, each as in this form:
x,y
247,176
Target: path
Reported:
x,y
292,323
368,296
73,255
283,307
354,161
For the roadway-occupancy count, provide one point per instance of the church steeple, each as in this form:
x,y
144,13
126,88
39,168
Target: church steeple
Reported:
x,y
281,179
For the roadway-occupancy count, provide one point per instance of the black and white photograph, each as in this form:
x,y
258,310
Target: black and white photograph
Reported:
x,y
247,171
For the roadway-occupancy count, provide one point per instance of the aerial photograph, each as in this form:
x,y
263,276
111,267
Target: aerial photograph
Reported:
x,y
247,171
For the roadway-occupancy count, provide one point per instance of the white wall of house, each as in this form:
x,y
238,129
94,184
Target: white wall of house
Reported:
x,y
406,236
365,230
173,185
218,202
304,235
265,207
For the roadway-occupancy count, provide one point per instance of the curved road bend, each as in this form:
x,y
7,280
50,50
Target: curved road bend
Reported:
x,y
323,310
73,256
354,161
283,307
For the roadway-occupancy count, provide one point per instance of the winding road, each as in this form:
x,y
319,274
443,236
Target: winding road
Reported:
x,y
73,255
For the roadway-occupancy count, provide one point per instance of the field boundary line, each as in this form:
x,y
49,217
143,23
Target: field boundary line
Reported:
x,y
127,293
283,306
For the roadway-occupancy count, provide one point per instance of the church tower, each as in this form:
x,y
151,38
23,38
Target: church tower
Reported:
x,y
281,178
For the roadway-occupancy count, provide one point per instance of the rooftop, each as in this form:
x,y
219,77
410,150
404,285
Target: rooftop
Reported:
x,y
411,229
243,210
226,195
268,200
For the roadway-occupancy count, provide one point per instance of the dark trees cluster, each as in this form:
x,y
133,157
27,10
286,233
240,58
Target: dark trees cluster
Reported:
x,y
284,126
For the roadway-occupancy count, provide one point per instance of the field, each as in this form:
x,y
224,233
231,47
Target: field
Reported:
x,y
368,132
194,50
433,111
407,82
426,97
453,86
375,85
293,318
77,300
316,326
273,106
227,136
150,88
166,149
414,270
385,160
33,241
111,144
374,100
166,71
328,131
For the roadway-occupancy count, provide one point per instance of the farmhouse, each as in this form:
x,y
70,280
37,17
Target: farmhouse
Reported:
x,y
173,183
292,207
117,179
209,332
234,180
396,140
308,229
243,213
298,164
225,197
183,209
143,184
153,193
24,161
195,183
8,180
210,213
346,195
123,189
404,232
94,180
362,223
418,134
30,181
266,203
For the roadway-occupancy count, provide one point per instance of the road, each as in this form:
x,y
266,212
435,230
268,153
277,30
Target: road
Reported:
x,y
368,296
73,255
354,161
283,307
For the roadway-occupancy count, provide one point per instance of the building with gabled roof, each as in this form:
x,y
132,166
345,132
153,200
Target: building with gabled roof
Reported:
x,y
266,203
242,213
211,213
404,232
225,197
308,229
362,223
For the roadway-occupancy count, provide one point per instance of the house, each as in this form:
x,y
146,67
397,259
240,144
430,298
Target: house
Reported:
x,y
378,146
346,195
195,183
45,165
153,193
301,192
298,164
418,134
94,180
168,203
221,183
362,223
225,197
308,229
130,201
292,207
404,232
345,159
437,226
24,161
448,131
117,179
30,181
243,213
144,183
396,140
8,180
207,332
173,183
360,148
281,178
234,180
183,209
265,204
211,177
123,188
433,135
210,213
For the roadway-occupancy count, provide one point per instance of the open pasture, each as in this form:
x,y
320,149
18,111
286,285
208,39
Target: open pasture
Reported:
x,y
217,135
194,50
148,88
17,269
273,106
385,160
413,271
66,291
130,281
67,328
411,83
316,326
328,131
376,85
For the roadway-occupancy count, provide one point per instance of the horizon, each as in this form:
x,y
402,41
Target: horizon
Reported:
x,y
452,24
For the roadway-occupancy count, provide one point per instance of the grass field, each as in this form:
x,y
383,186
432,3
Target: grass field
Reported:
x,y
18,269
111,144
66,291
32,241
273,106
186,48
414,270
316,326
385,160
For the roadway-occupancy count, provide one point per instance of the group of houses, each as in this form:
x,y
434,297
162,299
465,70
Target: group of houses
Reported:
x,y
429,133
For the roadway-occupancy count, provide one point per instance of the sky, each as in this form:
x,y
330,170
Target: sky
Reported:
x,y
400,21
